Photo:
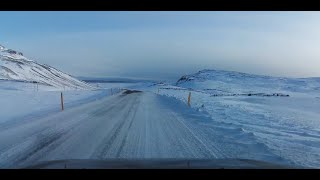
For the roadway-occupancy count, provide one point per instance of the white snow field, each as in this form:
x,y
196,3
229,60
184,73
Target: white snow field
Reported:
x,y
23,99
278,114
126,125
232,115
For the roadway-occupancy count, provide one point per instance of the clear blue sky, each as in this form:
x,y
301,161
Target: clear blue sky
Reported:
x,y
167,44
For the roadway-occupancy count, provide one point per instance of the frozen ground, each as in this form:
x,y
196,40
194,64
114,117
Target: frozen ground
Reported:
x,y
127,125
238,116
287,125
21,99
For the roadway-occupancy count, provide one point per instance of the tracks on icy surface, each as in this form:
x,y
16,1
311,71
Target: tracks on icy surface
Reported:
x,y
130,125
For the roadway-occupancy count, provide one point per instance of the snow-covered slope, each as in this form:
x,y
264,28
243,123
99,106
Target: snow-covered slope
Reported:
x,y
15,66
230,82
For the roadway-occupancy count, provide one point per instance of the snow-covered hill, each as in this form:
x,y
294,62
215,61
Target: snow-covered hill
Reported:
x,y
230,82
15,66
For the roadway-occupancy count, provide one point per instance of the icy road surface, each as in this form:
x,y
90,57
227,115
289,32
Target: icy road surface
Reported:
x,y
135,125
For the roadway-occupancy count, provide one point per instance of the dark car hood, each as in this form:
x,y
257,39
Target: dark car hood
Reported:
x,y
156,164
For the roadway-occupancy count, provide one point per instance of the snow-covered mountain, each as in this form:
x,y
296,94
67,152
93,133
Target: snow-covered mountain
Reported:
x,y
15,66
220,81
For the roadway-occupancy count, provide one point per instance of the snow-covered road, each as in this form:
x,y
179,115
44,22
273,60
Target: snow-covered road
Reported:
x,y
134,125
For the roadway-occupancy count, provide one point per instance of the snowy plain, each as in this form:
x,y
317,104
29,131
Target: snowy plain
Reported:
x,y
23,99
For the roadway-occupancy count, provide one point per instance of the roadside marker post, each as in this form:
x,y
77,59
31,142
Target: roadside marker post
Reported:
x,y
62,108
189,98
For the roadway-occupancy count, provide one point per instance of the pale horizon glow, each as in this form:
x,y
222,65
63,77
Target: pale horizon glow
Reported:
x,y
166,45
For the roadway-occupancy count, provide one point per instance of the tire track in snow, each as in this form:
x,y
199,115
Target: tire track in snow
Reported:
x,y
104,149
127,131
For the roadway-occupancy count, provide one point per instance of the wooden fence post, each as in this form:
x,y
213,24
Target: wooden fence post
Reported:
x,y
62,108
189,98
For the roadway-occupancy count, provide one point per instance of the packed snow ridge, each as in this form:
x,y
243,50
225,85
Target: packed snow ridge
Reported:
x,y
15,66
